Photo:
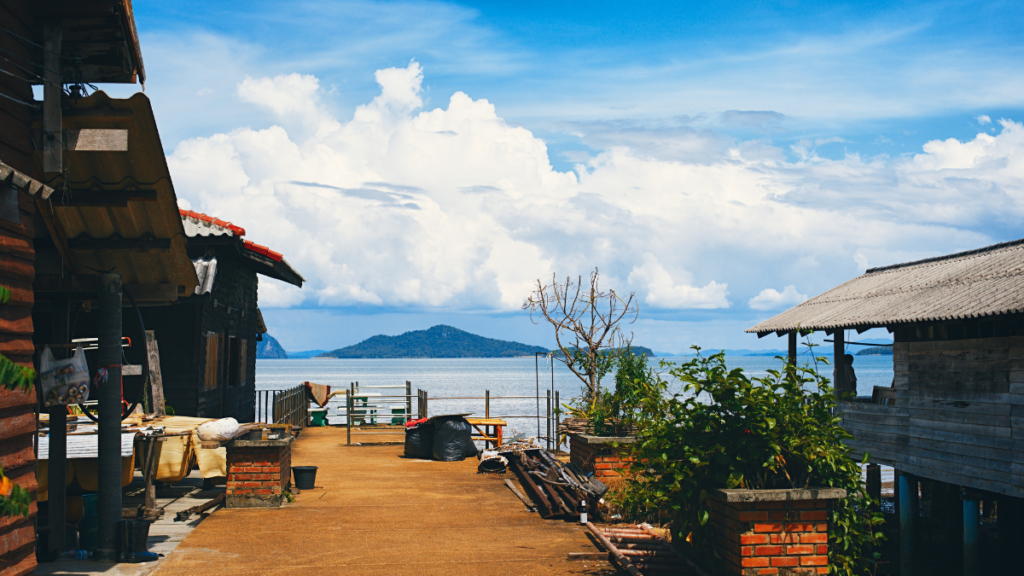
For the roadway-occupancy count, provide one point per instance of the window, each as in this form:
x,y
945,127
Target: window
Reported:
x,y
234,361
212,361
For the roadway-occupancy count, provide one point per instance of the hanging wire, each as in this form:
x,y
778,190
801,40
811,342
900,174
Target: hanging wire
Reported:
x,y
19,66
19,101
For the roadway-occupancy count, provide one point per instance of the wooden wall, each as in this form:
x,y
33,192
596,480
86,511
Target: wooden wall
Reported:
x,y
17,271
181,329
959,414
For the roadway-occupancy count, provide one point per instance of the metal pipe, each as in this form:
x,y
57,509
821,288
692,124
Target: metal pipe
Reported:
x,y
536,363
558,443
408,400
908,497
548,420
972,536
109,461
623,561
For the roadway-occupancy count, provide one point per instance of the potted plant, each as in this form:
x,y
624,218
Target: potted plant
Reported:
x,y
753,472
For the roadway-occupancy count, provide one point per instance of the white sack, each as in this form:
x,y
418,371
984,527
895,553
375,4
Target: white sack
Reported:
x,y
218,430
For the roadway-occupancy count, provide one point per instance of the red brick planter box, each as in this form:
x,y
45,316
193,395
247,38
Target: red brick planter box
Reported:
x,y
771,531
597,454
259,471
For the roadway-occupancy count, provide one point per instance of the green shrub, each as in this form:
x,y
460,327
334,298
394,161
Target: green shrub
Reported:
x,y
727,430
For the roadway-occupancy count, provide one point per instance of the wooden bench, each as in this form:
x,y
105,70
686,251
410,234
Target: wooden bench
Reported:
x,y
490,430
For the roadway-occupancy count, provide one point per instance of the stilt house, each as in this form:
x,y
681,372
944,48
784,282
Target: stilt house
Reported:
x,y
952,425
208,339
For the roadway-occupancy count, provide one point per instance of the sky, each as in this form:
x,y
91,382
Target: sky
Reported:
x,y
427,162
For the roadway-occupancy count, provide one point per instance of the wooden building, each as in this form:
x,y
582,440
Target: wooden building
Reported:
x,y
54,44
953,423
208,340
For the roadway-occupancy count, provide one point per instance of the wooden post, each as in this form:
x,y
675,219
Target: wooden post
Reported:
x,y
109,461
53,91
972,535
839,355
57,463
874,481
156,379
792,347
908,498
408,400
487,403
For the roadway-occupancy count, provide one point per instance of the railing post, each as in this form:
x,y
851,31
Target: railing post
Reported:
x,y
408,400
548,419
558,443
426,405
348,411
487,403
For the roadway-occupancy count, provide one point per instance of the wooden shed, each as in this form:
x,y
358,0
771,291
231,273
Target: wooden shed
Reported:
x,y
208,339
953,423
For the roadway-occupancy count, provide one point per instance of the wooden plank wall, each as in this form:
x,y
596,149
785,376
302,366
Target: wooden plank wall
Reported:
x,y
17,271
959,414
230,310
177,335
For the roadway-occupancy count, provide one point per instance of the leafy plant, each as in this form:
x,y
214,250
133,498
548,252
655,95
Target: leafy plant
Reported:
x,y
612,413
727,430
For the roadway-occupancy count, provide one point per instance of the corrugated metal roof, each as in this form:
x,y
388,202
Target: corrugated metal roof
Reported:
x,y
973,284
143,167
206,270
86,446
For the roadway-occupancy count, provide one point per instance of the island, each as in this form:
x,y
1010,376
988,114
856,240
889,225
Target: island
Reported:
x,y
437,342
270,349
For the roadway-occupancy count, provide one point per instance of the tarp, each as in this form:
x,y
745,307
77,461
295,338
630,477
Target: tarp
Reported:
x,y
317,393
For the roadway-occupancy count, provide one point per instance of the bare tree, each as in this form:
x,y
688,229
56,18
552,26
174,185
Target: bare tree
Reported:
x,y
586,321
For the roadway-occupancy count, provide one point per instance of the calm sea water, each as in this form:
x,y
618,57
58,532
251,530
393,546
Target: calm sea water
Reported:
x,y
502,377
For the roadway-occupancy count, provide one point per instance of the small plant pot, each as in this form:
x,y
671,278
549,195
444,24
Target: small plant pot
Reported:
x,y
305,477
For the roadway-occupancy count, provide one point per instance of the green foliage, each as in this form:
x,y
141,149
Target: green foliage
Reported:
x,y
612,413
5,294
727,430
14,377
14,500
436,342
876,351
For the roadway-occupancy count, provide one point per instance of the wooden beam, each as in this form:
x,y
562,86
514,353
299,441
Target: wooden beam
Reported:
x,y
156,380
53,92
103,198
85,284
60,241
144,244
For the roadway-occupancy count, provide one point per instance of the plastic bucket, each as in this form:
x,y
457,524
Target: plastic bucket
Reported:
x,y
305,477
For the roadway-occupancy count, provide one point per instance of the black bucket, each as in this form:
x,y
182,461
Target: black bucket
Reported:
x,y
305,477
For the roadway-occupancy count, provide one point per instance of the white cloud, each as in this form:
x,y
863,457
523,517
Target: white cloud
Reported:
x,y
453,208
664,292
984,119
772,299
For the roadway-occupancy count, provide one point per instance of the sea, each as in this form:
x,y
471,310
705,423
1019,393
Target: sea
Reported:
x,y
446,379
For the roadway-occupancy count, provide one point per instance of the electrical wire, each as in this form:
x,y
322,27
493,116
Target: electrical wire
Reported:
x,y
15,76
22,102
26,70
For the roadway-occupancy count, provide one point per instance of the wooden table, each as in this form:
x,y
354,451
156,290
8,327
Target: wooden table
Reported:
x,y
489,429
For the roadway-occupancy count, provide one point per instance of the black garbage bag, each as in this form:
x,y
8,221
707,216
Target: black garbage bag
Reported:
x,y
453,439
419,441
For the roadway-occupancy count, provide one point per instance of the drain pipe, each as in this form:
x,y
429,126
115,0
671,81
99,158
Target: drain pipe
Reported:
x,y
109,462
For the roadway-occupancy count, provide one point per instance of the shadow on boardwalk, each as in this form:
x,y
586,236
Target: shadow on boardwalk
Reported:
x,y
374,512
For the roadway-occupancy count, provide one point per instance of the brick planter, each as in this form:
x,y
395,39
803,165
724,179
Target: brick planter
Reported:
x,y
771,531
259,471
596,454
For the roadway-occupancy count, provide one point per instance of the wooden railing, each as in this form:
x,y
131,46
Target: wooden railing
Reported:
x,y
289,406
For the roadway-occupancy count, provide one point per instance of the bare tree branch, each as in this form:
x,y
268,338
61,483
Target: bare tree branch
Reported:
x,y
586,322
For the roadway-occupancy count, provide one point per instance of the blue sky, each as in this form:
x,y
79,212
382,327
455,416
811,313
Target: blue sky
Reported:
x,y
420,162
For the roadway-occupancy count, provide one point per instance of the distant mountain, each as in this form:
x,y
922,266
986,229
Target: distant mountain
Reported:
x,y
876,351
437,342
636,350
268,348
306,353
